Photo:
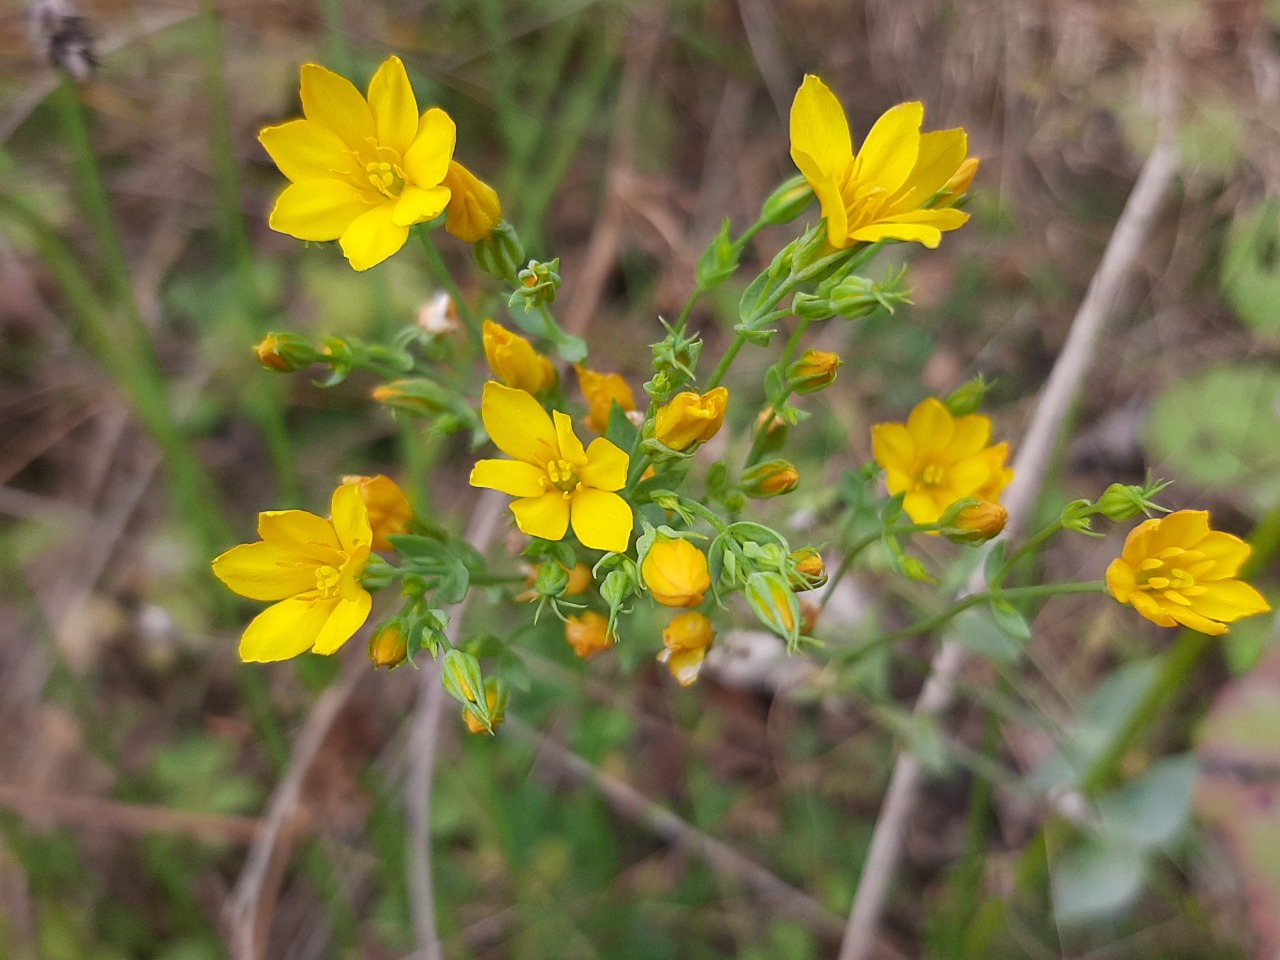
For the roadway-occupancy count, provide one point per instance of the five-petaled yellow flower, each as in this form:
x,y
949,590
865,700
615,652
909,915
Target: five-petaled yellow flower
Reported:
x,y
557,481
937,459
1175,570
310,565
881,192
362,170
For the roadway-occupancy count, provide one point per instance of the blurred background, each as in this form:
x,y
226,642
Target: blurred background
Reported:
x,y
139,437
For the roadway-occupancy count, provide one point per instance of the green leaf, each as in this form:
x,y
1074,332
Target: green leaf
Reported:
x,y
1153,810
1010,620
978,631
1098,879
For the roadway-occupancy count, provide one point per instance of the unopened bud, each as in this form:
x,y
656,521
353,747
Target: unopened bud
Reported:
x,y
814,371
955,188
774,604
588,634
538,283
389,646
418,395
772,478
806,569
1125,501
285,352
500,254
968,398
495,701
976,523
787,202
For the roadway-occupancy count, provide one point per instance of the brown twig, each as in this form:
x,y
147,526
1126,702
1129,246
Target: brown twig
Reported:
x,y
634,805
99,813
1061,390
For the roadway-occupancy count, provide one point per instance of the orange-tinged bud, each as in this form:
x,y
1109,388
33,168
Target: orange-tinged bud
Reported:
x,y
689,418
772,601
770,479
496,697
686,640
601,390
285,352
514,361
389,646
418,396
588,634
959,184
977,523
389,510
808,572
676,572
580,580
474,209
814,371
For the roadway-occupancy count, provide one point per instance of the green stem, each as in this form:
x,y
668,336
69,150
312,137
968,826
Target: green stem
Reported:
x,y
339,53
858,546
933,622
725,362
762,429
442,276
1031,544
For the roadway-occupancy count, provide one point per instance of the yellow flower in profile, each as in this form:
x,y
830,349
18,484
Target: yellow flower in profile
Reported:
x,y
676,572
1175,570
474,209
556,480
881,192
690,418
936,458
514,361
361,170
389,510
312,567
686,640
601,390
588,634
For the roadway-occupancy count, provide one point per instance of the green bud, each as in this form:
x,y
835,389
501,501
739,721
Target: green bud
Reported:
x,y
551,581
1125,501
417,395
775,605
968,398
618,586
1076,516
772,478
460,675
500,254
538,283
285,352
812,306
811,247
787,202
854,298
719,261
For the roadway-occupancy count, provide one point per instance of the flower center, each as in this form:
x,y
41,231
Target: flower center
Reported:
x,y
932,476
327,580
1167,573
387,178
561,475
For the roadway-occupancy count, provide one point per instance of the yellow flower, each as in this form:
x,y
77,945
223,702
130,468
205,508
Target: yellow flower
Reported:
x,y
389,510
588,634
362,170
1175,570
689,418
936,459
601,390
686,640
557,481
310,565
474,209
676,572
514,361
879,194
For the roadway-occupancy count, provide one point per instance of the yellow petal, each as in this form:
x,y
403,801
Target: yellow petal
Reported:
x,y
512,477
1194,621
417,205
517,424
305,150
1184,528
606,467
262,571
350,517
426,161
909,232
347,617
1120,580
1149,608
372,237
941,153
820,131
889,153
394,107
931,426
921,507
827,190
317,209
334,102
892,447
300,533
971,434
286,629
546,516
568,442
1137,545
1227,554
602,520
1229,600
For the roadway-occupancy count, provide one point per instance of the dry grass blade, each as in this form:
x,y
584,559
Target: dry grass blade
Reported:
x,y
97,813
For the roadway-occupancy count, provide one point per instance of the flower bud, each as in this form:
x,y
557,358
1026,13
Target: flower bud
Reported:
x,y
685,641
1123,502
500,254
676,572
770,479
588,634
856,297
955,188
689,418
495,697
419,395
719,261
601,390
389,646
514,361
474,209
774,604
967,399
537,284
806,571
389,510
285,352
787,202
814,371
976,523
460,676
